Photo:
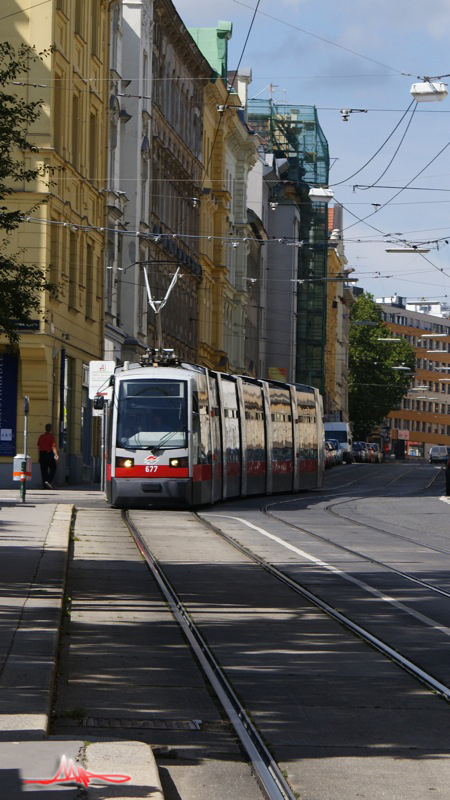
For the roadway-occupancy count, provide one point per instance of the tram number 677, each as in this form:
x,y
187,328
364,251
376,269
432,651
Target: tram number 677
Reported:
x,y
152,468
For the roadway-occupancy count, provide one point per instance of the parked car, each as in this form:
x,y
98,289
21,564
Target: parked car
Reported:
x,y
377,452
438,453
338,453
341,431
358,452
330,455
364,451
370,454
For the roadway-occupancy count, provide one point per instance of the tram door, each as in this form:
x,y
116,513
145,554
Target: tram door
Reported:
x,y
282,447
231,438
308,438
202,466
254,440
216,438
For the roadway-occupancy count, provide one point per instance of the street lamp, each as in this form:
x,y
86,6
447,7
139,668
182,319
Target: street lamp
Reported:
x,y
406,250
428,91
320,194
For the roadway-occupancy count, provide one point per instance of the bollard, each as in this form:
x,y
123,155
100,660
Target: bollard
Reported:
x,y
23,479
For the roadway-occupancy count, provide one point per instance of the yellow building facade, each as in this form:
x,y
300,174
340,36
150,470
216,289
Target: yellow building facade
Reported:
x,y
65,234
215,200
339,301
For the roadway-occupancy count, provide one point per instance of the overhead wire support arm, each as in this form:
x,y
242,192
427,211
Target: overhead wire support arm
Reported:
x,y
158,305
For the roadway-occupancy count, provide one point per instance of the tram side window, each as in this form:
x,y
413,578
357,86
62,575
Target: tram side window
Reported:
x,y
308,431
254,422
232,444
281,417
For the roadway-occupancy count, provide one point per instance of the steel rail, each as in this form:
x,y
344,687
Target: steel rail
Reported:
x,y
385,649
266,769
357,553
330,510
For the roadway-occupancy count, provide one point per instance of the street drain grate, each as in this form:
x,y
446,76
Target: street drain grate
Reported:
x,y
139,724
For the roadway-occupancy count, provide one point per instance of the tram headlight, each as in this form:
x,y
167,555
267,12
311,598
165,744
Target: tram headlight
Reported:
x,y
182,461
125,462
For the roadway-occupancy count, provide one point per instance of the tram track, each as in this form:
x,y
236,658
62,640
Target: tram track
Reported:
x,y
268,774
378,644
266,769
357,553
330,509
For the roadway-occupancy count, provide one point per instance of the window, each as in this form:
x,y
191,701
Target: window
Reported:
x,y
73,263
95,28
92,146
115,30
58,114
109,275
78,18
151,412
76,131
145,82
89,280
141,297
54,252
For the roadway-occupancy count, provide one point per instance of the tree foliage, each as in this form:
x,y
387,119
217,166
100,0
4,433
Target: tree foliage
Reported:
x,y
375,388
20,283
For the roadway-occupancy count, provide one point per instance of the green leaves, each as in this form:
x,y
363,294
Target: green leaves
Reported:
x,y
376,387
20,283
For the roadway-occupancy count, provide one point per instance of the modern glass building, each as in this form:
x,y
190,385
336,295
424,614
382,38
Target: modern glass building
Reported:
x,y
294,133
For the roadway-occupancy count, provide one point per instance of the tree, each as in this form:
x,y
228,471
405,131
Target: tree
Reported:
x,y
375,386
20,283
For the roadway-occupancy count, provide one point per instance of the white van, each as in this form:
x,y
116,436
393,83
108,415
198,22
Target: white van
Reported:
x,y
438,453
342,432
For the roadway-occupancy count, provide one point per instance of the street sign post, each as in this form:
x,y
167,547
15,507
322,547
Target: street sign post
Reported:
x,y
99,375
23,466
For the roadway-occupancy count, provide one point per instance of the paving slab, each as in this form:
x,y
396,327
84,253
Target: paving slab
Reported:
x,y
34,545
79,768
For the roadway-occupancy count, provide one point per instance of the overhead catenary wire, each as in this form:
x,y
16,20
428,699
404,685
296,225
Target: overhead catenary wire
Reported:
x,y
24,10
230,239
339,183
402,189
322,39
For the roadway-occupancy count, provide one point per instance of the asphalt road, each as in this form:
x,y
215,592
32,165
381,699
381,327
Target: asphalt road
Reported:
x,y
341,719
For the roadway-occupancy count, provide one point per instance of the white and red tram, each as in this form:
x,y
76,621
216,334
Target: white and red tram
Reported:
x,y
188,436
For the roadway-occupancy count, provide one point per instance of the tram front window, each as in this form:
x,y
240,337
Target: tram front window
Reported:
x,y
152,413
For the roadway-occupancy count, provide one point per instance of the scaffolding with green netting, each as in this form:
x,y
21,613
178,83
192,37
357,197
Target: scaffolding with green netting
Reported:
x,y
294,133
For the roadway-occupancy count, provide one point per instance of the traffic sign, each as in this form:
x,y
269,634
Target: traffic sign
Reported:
x,y
99,375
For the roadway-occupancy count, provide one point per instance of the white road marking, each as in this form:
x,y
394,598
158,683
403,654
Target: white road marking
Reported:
x,y
386,598
445,499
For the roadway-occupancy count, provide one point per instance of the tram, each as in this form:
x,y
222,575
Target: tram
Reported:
x,y
184,435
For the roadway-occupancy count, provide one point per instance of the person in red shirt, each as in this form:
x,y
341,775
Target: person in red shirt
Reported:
x,y
48,457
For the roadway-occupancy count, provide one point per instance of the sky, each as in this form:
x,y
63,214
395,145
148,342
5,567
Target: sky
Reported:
x,y
362,55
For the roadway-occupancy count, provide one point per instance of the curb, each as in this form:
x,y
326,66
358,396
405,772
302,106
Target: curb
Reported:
x,y
30,669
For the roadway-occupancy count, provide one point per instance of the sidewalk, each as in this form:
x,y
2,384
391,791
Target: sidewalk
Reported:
x,y
34,547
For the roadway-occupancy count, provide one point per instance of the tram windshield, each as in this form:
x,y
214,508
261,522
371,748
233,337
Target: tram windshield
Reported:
x,y
151,414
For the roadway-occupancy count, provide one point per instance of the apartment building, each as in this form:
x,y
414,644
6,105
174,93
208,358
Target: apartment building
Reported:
x,y
229,151
65,234
423,419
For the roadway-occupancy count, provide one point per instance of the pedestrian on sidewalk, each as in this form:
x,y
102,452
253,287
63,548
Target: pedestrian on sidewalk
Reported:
x,y
48,457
